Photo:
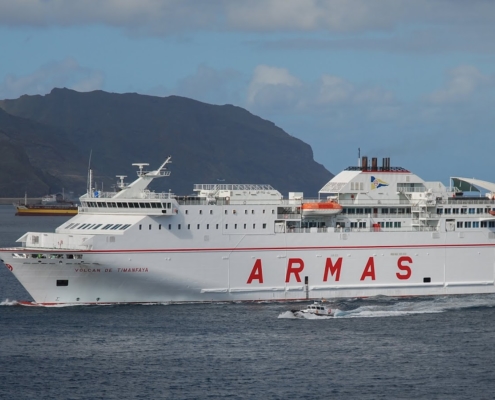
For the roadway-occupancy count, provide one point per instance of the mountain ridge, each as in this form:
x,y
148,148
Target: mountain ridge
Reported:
x,y
208,143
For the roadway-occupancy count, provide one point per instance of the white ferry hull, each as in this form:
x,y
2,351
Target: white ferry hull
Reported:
x,y
367,267
394,235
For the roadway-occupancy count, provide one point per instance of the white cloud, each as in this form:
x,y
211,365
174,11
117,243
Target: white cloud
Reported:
x,y
276,89
272,86
159,17
463,82
206,84
66,73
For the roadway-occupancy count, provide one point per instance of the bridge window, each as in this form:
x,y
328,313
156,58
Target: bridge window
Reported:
x,y
479,211
455,211
459,224
471,211
397,224
147,205
463,210
484,224
491,224
97,226
476,224
467,224
447,211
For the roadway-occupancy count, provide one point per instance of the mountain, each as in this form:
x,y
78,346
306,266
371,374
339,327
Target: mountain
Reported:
x,y
52,136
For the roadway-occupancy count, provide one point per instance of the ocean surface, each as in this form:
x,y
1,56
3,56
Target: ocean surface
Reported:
x,y
376,348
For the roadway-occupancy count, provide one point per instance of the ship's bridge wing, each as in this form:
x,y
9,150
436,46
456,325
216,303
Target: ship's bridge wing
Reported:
x,y
472,185
338,182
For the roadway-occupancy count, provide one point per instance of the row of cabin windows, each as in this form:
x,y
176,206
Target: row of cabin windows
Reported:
x,y
475,224
112,227
463,210
198,226
233,211
401,210
50,256
124,204
383,224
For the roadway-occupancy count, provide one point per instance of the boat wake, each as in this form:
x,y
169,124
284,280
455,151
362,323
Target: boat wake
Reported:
x,y
393,307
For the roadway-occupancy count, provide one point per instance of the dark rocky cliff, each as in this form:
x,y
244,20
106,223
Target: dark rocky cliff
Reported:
x,y
48,139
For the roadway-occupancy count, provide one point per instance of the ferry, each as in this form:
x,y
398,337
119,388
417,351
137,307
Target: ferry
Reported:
x,y
373,230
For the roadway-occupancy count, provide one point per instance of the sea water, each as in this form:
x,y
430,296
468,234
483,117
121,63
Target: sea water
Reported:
x,y
378,348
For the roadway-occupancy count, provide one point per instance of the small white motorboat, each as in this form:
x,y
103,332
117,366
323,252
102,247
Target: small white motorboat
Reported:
x,y
317,308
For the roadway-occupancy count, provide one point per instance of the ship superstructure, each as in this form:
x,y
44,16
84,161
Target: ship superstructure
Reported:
x,y
372,231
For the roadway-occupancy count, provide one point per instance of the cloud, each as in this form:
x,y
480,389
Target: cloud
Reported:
x,y
65,73
463,82
206,84
163,17
273,89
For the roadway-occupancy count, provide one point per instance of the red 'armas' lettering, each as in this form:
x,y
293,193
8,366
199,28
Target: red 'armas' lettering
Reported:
x,y
256,272
369,270
405,268
291,269
333,269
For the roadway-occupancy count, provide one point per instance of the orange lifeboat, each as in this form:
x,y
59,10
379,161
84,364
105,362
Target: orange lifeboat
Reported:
x,y
491,212
324,208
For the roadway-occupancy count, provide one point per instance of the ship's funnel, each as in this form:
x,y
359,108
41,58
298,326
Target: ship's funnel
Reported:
x,y
364,163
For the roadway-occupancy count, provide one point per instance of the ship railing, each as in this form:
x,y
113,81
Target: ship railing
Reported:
x,y
410,189
228,186
371,203
146,194
477,201
367,229
376,215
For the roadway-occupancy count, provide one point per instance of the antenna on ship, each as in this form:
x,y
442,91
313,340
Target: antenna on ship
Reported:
x,y
359,156
90,174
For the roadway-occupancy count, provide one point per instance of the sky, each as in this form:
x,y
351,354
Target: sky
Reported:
x,y
413,80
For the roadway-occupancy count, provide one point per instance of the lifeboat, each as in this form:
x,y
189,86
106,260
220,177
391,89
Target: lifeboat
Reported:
x,y
324,208
492,212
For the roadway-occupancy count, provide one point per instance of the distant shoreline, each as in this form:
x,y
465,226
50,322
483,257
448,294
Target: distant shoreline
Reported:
x,y
12,200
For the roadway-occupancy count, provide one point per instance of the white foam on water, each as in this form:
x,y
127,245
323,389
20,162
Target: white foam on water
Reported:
x,y
394,307
287,315
8,302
